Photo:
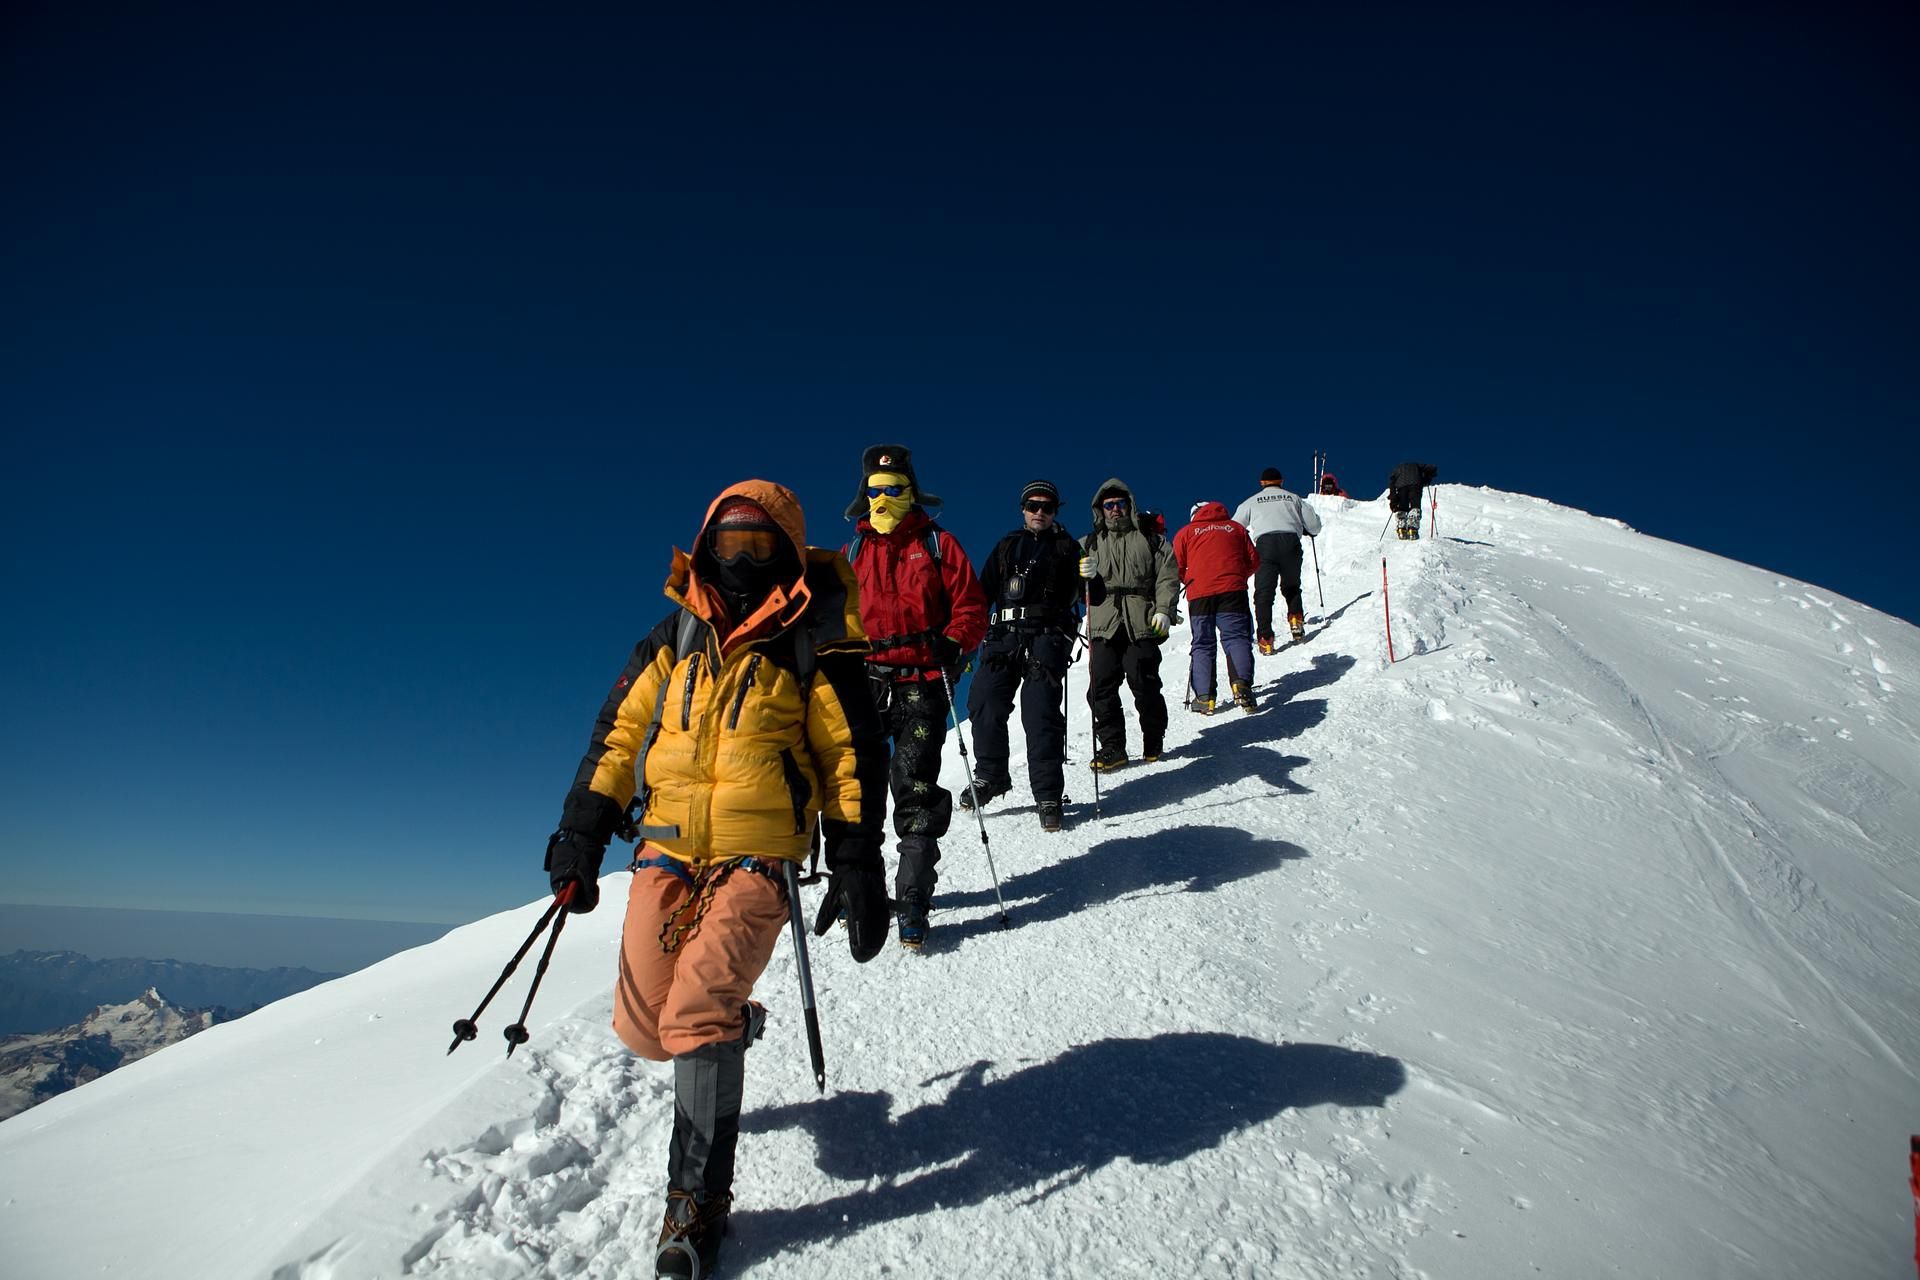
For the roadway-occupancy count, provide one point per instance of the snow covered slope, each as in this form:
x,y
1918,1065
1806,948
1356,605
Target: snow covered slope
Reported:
x,y
1580,941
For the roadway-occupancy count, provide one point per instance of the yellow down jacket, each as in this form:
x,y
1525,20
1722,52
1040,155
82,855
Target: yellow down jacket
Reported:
x,y
750,748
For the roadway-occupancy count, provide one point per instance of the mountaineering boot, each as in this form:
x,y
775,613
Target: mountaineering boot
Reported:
x,y
689,1245
1113,757
1050,819
983,792
707,1087
1266,643
1201,706
913,920
1243,696
1150,750
1297,624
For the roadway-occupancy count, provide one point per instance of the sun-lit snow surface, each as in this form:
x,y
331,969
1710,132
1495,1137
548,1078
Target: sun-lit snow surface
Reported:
x,y
1581,941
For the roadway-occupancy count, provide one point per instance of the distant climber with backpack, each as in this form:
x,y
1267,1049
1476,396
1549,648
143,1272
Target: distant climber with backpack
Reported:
x,y
923,611
1216,557
1405,485
1135,595
1277,520
741,719
1032,581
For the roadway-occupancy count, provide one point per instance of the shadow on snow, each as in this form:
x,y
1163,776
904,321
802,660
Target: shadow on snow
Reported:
x,y
1190,859
1230,747
1043,1127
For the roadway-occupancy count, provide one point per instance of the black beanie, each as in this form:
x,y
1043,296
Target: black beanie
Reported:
x,y
1270,476
1040,489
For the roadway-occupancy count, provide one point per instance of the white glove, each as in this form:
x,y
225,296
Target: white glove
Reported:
x,y
1159,625
1089,567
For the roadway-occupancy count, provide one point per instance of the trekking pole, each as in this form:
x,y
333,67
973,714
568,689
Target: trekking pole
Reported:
x,y
1386,610
1315,544
1383,528
791,870
961,737
469,1028
517,1033
1065,701
1093,717
1436,515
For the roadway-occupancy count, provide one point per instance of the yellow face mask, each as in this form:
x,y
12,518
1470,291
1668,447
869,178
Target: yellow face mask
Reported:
x,y
887,510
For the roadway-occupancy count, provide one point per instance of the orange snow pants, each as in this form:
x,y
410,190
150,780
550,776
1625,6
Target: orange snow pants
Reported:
x,y
672,1002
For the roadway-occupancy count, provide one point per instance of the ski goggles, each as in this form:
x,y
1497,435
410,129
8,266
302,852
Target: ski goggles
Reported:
x,y
1115,504
885,490
758,545
1041,504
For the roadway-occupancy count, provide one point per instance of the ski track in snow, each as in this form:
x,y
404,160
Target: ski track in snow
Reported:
x,y
1578,941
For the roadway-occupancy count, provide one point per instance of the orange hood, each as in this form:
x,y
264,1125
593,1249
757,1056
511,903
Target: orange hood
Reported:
x,y
784,603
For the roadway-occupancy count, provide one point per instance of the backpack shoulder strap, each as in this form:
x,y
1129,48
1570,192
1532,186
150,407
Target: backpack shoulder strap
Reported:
x,y
686,640
806,658
932,536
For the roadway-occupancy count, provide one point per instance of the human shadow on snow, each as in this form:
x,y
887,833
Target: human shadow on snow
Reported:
x,y
1225,753
1322,670
1324,617
1042,1127
1189,859
1231,745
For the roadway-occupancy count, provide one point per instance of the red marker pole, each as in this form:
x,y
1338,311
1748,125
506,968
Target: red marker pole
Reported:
x,y
1913,1181
1386,610
1436,515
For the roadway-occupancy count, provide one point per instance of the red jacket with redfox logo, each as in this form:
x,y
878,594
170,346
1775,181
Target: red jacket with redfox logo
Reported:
x,y
1215,554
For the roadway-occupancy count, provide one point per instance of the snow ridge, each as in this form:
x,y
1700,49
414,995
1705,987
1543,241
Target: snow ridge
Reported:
x,y
1578,940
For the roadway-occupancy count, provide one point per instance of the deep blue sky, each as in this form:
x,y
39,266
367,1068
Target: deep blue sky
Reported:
x,y
357,370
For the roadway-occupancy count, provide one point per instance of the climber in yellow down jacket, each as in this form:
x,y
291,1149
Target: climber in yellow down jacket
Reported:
x,y
742,717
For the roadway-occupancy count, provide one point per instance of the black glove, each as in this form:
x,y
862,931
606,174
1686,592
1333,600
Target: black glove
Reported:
x,y
860,891
573,858
948,653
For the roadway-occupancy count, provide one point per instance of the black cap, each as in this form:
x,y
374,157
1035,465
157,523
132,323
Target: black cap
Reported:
x,y
1040,489
1270,476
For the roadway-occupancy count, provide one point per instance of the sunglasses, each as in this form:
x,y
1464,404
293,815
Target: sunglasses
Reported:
x,y
887,490
1038,505
1115,504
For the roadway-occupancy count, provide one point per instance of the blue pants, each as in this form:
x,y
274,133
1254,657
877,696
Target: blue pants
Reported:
x,y
1235,631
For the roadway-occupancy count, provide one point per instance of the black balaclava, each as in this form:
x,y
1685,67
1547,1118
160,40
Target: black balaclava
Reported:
x,y
743,582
